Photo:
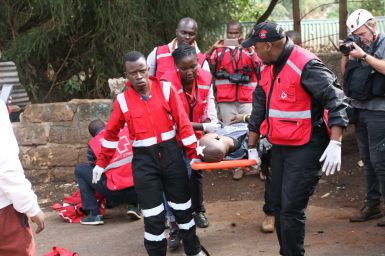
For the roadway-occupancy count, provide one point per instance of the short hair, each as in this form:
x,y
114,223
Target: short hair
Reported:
x,y
214,150
234,23
95,126
133,56
187,20
183,50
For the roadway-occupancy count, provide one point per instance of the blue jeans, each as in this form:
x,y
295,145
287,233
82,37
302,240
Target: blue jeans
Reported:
x,y
370,134
83,173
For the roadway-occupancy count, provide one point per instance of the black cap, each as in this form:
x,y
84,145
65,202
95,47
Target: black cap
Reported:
x,y
264,32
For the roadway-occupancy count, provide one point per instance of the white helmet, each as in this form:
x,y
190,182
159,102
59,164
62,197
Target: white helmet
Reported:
x,y
357,19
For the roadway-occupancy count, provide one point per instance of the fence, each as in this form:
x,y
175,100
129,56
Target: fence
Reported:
x,y
315,33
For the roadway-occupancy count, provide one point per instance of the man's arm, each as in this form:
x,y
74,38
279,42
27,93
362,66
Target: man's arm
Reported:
x,y
211,107
377,64
257,116
151,62
322,85
13,184
111,136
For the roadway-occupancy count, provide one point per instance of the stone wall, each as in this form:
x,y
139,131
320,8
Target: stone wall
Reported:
x,y
53,137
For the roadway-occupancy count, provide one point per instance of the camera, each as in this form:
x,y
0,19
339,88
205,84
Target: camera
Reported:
x,y
240,78
347,46
222,74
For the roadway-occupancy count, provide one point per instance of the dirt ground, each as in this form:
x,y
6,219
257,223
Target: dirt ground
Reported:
x,y
234,209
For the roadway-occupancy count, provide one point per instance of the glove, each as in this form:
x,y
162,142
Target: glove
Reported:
x,y
332,158
211,127
264,145
195,160
253,155
97,173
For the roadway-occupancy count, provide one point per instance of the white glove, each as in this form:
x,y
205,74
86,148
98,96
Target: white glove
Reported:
x,y
332,157
97,173
195,160
211,127
253,155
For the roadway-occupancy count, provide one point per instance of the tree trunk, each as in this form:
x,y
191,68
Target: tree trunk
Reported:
x,y
297,17
268,11
343,13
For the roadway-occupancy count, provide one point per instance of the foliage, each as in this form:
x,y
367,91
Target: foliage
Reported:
x,y
55,42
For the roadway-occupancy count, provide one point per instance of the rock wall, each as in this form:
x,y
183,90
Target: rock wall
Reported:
x,y
53,137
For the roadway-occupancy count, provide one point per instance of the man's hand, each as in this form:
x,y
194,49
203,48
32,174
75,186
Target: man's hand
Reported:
x,y
253,155
264,145
39,220
211,127
216,45
238,118
332,158
97,174
357,52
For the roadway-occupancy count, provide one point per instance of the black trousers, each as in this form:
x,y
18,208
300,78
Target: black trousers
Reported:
x,y
295,174
157,169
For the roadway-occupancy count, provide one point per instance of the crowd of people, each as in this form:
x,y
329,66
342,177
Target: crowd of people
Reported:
x,y
265,98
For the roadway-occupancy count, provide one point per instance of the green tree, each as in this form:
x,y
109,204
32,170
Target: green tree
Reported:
x,y
69,48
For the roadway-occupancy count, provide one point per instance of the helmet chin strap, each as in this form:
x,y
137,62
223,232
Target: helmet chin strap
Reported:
x,y
371,31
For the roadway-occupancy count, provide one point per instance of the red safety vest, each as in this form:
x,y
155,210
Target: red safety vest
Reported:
x,y
230,59
197,110
119,174
165,61
288,105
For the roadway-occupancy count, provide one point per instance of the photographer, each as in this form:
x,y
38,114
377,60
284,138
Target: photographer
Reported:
x,y
363,66
233,73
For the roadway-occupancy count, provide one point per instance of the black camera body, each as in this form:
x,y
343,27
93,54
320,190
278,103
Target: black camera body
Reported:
x,y
237,77
347,46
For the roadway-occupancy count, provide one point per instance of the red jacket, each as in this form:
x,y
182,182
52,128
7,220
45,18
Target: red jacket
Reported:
x,y
119,174
230,59
149,122
197,111
288,109
165,61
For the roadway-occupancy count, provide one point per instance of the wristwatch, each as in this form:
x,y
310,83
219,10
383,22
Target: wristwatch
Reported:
x,y
364,57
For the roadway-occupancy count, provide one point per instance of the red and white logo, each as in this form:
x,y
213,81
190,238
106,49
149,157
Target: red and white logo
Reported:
x,y
262,34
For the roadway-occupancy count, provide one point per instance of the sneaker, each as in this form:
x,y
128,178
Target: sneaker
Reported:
x,y
92,220
238,173
268,224
367,213
134,213
174,241
201,220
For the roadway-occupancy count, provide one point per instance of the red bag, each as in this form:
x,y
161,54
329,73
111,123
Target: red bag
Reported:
x,y
58,251
71,209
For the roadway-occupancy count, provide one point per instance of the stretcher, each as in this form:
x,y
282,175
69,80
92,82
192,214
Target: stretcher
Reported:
x,y
223,164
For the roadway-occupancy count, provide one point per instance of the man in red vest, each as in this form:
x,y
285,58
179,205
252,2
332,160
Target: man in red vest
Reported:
x,y
116,184
294,88
154,116
160,59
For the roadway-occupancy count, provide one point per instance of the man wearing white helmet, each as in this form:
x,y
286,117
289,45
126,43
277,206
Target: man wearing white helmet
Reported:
x,y
363,66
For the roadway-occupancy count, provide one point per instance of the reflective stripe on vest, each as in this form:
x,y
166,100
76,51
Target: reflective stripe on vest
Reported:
x,y
166,88
162,55
122,102
290,114
119,163
152,140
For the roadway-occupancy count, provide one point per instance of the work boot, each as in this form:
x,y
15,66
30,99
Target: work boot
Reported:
x,y
381,223
268,224
201,220
238,173
174,241
367,213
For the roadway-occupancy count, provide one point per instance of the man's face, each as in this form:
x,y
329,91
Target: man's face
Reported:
x,y
264,50
186,33
137,74
234,32
187,68
365,34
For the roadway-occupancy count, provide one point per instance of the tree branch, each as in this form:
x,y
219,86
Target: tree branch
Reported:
x,y
268,11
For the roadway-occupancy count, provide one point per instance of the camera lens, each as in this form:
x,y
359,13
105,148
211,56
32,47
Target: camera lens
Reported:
x,y
346,47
